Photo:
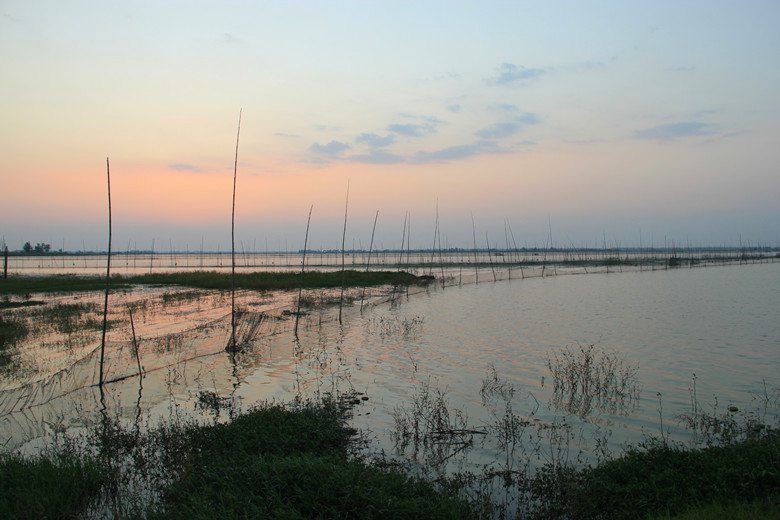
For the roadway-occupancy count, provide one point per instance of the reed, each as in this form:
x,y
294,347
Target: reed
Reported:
x,y
585,378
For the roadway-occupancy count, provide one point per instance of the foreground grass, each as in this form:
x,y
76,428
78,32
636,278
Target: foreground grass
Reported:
x,y
660,480
261,281
272,462
59,486
293,462
280,463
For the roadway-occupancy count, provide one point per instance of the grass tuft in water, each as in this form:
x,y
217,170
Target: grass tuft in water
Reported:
x,y
586,377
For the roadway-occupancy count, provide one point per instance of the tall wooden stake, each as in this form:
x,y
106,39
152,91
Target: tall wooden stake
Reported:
x,y
108,275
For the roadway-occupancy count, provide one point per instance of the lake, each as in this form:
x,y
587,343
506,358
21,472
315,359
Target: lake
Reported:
x,y
475,355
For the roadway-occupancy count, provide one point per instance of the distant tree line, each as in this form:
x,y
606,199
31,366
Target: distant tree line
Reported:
x,y
39,248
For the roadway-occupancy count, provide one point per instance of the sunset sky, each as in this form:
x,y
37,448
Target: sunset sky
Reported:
x,y
589,120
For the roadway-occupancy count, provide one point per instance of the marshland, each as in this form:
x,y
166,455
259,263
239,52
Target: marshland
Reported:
x,y
498,377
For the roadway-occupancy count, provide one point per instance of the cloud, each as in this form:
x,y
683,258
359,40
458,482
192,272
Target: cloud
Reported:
x,y
673,130
504,107
462,151
375,140
282,134
509,73
508,128
412,130
182,167
331,150
377,157
454,108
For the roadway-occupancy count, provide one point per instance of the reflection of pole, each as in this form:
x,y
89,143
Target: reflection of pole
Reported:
x,y
108,273
135,342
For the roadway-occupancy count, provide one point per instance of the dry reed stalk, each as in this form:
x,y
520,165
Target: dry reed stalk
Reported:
x,y
303,265
108,279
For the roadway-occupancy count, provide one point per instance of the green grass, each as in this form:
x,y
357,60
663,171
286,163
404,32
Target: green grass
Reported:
x,y
757,510
275,462
666,480
64,283
55,487
23,285
12,331
294,462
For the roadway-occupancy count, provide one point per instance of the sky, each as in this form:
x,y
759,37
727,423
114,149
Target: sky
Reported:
x,y
622,122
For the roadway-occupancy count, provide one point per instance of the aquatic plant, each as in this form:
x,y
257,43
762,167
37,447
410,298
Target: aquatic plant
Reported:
x,y
722,427
586,377
428,418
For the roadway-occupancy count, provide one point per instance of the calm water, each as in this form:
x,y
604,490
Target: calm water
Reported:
x,y
720,323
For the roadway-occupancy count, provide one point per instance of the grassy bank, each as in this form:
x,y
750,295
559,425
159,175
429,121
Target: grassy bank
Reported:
x,y
294,462
662,481
272,462
259,281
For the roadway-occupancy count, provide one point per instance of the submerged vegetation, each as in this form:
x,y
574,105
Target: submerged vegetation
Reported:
x,y
586,377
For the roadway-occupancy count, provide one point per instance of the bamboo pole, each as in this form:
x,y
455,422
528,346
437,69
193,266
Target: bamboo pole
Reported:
x,y
232,345
108,274
343,240
490,256
476,263
368,262
303,265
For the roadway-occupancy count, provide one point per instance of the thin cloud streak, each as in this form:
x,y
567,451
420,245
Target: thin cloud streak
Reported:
x,y
674,130
508,128
509,73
